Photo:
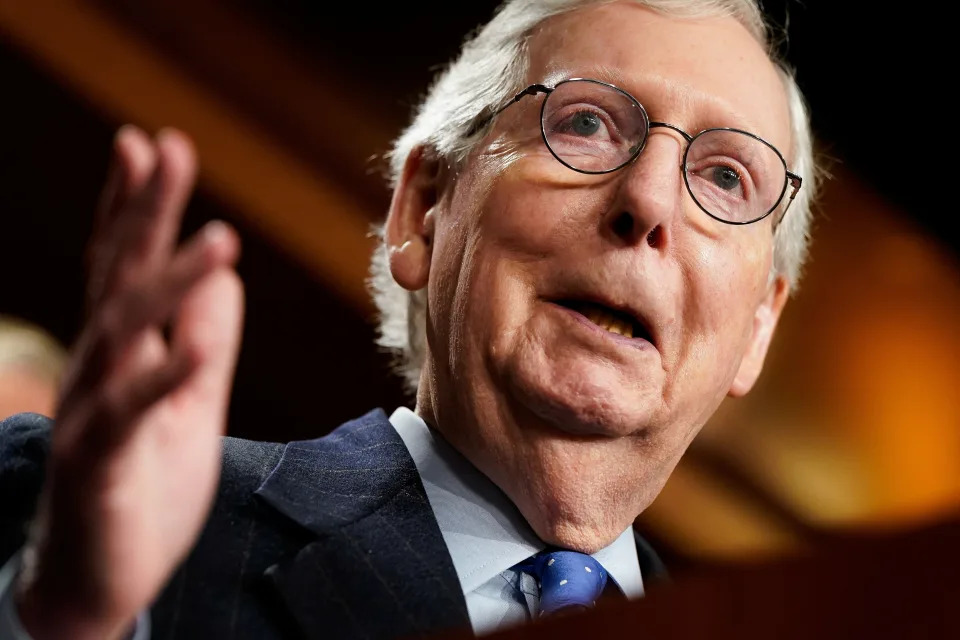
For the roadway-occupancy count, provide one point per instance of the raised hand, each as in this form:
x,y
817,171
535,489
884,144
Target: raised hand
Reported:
x,y
135,454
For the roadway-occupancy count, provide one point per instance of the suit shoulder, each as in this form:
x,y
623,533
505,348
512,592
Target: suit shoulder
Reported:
x,y
24,444
24,439
246,463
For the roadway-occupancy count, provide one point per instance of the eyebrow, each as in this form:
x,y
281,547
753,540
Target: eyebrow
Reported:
x,y
595,72
718,113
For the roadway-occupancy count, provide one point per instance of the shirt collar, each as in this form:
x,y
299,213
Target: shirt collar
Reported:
x,y
485,532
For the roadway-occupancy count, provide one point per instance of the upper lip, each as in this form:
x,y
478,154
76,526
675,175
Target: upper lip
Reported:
x,y
640,318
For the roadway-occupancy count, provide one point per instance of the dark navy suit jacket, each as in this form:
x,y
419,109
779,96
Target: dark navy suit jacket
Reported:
x,y
325,538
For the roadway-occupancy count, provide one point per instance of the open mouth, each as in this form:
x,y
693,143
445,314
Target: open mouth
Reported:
x,y
616,321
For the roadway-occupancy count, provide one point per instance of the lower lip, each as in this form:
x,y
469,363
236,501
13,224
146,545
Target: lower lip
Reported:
x,y
636,343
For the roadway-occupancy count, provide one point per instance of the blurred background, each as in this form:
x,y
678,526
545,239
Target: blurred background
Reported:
x,y
854,425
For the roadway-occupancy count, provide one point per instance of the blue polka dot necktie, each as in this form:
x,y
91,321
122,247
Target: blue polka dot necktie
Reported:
x,y
568,580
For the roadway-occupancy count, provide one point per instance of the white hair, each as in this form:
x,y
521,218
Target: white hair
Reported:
x,y
491,69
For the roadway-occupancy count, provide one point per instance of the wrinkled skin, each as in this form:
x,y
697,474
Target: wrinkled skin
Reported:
x,y
579,429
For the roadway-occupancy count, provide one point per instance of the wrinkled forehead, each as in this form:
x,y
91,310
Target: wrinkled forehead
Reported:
x,y
695,73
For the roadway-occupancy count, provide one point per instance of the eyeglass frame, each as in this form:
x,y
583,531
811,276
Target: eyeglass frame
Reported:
x,y
790,178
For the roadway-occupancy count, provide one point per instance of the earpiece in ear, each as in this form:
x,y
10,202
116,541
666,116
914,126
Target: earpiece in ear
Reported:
x,y
403,248
410,263
428,226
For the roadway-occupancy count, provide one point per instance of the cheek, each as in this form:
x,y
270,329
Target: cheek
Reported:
x,y
446,263
537,212
487,255
726,282
481,267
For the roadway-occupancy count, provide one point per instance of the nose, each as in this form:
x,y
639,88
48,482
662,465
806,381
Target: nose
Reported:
x,y
649,194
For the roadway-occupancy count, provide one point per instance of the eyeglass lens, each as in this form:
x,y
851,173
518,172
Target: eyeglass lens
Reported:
x,y
595,128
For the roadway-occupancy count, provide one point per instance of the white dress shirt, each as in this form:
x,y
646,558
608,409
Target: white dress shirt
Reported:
x,y
484,532
486,535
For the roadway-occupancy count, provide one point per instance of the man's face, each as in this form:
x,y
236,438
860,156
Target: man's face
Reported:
x,y
579,425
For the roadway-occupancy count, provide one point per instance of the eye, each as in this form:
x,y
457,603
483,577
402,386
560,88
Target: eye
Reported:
x,y
733,175
723,176
726,178
591,127
585,123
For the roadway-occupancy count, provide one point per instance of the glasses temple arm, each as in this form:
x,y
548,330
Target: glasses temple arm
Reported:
x,y
532,90
796,182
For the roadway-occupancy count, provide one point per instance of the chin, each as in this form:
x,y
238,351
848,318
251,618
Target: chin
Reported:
x,y
582,399
577,537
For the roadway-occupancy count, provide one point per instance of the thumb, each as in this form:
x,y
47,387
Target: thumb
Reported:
x,y
209,327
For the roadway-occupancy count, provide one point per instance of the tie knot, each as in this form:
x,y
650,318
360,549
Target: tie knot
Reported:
x,y
567,579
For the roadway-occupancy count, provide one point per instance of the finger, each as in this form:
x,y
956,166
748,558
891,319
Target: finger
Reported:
x,y
115,332
114,413
177,174
153,305
150,222
132,163
210,324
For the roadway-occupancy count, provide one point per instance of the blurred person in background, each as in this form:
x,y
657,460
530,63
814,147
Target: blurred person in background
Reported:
x,y
31,364
597,220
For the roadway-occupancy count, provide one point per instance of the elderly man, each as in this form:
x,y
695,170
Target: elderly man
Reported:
x,y
588,247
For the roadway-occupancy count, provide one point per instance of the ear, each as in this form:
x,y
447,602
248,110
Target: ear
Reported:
x,y
764,322
409,229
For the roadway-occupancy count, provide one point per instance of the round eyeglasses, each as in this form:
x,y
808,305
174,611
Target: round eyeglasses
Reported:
x,y
594,127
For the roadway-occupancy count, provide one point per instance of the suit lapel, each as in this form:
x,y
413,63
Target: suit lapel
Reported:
x,y
377,564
